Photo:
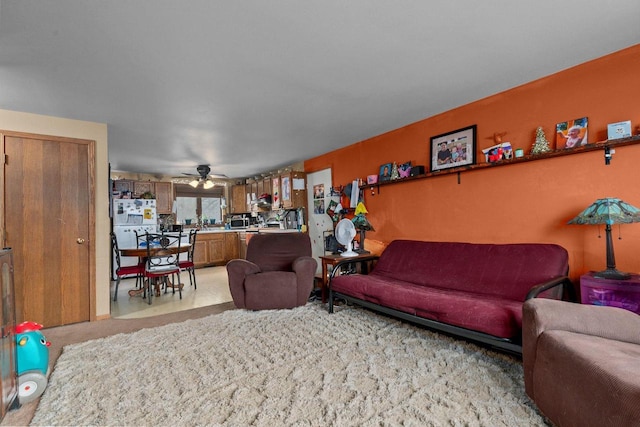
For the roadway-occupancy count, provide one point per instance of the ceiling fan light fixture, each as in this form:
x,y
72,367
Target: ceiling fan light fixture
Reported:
x,y
194,183
208,184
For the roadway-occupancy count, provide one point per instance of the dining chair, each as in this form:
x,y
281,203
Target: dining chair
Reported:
x,y
188,264
137,270
162,261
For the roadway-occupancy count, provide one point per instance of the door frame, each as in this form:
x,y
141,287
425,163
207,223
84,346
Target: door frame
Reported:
x,y
91,173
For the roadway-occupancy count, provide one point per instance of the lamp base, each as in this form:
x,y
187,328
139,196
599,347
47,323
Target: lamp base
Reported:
x,y
612,274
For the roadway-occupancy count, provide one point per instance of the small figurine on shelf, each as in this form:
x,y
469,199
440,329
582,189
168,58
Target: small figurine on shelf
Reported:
x,y
541,145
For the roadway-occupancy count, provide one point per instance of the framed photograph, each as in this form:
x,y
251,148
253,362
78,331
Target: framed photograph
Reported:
x,y
318,191
572,133
385,172
453,149
404,170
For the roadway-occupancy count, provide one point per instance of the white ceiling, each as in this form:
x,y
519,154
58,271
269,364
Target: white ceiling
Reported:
x,y
250,86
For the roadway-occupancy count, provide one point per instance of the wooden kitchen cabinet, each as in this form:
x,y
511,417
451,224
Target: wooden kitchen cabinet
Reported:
x,y
141,187
215,248
231,250
200,253
242,244
123,186
239,199
293,189
267,185
275,193
164,197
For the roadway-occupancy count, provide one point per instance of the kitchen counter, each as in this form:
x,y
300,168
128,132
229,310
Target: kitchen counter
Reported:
x,y
247,230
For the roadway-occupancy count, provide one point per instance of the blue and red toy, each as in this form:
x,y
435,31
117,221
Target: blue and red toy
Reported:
x,y
32,361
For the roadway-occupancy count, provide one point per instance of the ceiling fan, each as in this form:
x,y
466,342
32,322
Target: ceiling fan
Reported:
x,y
203,176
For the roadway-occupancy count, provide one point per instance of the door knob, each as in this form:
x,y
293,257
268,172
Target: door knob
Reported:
x,y
79,240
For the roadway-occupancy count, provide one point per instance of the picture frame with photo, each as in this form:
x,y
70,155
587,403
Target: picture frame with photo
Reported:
x,y
404,170
453,149
572,133
385,172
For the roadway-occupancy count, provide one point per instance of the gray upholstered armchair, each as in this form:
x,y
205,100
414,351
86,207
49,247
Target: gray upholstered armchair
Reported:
x,y
277,273
581,362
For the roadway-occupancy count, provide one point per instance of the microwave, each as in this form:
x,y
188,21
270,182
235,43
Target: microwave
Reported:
x,y
239,223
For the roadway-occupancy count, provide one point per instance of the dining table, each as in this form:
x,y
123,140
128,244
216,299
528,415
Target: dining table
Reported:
x,y
142,253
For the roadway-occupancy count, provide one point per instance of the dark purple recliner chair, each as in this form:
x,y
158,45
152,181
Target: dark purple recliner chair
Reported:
x,y
278,272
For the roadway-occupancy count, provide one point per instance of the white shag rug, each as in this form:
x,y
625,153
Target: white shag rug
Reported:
x,y
300,367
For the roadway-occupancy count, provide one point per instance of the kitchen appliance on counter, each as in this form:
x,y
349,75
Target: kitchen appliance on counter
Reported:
x,y
239,222
131,216
293,219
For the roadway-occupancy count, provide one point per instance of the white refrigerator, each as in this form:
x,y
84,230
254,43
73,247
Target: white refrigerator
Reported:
x,y
131,216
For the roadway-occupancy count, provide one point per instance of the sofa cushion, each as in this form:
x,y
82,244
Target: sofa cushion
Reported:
x,y
502,270
492,315
581,380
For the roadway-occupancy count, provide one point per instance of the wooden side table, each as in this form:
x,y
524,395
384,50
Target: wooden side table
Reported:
x,y
615,293
333,260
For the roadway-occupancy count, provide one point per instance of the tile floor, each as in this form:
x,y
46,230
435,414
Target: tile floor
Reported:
x,y
213,288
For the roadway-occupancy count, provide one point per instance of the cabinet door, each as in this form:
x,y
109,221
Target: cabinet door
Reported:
x,y
230,246
141,187
242,245
201,253
123,185
216,250
298,189
253,189
285,188
275,195
267,186
164,197
238,199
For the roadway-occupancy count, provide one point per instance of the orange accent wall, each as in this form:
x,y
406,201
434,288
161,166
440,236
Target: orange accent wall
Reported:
x,y
528,202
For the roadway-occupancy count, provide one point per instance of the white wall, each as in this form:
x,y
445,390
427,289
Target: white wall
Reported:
x,y
56,126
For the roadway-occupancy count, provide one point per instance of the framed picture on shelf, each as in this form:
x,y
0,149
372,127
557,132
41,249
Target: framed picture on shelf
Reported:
x,y
404,170
572,133
385,172
453,149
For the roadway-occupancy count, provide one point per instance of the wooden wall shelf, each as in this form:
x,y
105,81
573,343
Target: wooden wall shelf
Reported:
x,y
602,145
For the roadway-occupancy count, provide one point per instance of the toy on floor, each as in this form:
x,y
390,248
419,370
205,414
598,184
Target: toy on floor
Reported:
x,y
32,361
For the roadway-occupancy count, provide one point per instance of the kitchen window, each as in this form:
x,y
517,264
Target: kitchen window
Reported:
x,y
192,204
193,207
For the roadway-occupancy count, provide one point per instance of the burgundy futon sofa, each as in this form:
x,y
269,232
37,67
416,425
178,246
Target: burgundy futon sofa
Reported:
x,y
475,291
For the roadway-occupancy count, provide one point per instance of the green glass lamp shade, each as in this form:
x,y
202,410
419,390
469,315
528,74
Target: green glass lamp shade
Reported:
x,y
608,211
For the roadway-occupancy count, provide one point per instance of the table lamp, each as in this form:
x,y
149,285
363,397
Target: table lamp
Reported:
x,y
362,224
608,211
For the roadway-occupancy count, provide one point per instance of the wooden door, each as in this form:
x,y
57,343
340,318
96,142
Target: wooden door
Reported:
x,y
49,223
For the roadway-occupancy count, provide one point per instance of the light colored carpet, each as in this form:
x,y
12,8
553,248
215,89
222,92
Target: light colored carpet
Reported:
x,y
300,367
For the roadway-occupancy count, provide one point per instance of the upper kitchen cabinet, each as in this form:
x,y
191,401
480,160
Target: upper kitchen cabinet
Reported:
x,y
239,199
163,192
276,201
293,189
123,186
164,197
141,187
